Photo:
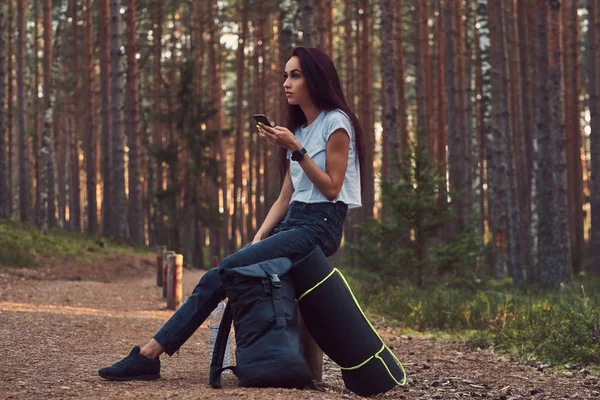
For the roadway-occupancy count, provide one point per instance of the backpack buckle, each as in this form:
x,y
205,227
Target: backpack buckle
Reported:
x,y
275,280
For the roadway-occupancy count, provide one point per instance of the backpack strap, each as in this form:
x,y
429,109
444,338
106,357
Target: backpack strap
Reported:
x,y
216,364
276,292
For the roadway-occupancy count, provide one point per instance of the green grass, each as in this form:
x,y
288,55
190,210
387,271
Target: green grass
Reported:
x,y
21,244
535,324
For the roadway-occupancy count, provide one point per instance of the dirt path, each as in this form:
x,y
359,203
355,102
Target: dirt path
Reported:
x,y
57,328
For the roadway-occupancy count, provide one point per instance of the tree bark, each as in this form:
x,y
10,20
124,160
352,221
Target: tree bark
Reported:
x,y
214,91
74,196
36,111
365,74
463,150
104,40
518,128
4,193
572,116
312,24
558,267
10,105
240,148
502,133
90,141
390,107
455,137
51,70
423,83
593,51
118,199
157,139
528,127
25,209
135,210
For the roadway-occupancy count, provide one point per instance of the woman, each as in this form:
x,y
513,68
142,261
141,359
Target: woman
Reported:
x,y
320,163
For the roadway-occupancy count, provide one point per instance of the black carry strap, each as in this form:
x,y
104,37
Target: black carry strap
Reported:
x,y
216,364
276,284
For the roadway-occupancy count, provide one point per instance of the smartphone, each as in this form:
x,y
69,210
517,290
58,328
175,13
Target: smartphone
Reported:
x,y
262,118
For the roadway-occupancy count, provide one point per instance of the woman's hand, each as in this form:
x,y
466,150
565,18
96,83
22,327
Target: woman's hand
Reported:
x,y
258,237
281,136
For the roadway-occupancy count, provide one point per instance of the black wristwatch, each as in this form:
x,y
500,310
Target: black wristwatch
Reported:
x,y
298,155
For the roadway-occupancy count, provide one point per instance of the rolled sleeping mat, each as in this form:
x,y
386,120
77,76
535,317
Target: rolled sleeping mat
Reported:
x,y
338,325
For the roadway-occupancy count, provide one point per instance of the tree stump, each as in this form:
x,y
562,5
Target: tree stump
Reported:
x,y
175,273
166,255
159,264
312,353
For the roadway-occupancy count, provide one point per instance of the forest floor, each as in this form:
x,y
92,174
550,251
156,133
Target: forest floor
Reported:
x,y
61,323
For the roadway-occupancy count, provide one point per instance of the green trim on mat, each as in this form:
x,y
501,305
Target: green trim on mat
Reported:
x,y
364,362
316,286
384,346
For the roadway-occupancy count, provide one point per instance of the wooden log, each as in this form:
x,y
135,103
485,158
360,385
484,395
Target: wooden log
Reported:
x,y
159,264
175,273
166,255
312,353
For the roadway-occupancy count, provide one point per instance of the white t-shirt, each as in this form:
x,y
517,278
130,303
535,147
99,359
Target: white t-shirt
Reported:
x,y
314,139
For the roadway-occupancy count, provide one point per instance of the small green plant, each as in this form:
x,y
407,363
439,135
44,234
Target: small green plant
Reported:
x,y
532,324
22,244
407,244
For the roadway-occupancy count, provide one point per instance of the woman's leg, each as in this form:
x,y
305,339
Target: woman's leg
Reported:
x,y
293,243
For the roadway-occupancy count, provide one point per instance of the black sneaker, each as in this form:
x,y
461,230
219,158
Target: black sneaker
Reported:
x,y
134,367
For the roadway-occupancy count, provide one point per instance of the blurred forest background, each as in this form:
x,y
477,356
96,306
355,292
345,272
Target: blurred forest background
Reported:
x,y
132,119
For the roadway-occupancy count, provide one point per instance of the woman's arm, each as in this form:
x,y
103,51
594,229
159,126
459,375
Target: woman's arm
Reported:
x,y
277,211
330,181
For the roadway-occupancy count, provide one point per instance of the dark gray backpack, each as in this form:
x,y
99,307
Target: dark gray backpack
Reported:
x,y
263,309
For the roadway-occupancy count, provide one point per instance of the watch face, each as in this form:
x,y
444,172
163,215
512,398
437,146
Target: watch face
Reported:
x,y
298,154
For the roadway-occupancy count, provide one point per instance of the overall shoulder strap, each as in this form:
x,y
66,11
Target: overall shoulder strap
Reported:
x,y
216,364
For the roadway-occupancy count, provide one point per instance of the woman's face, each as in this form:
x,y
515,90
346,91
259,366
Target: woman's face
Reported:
x,y
294,85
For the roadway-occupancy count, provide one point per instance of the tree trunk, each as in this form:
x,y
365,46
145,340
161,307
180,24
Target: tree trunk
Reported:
x,y
455,137
25,208
328,24
157,139
463,150
528,127
390,109
572,116
62,132
366,108
36,111
473,210
135,210
4,193
494,179
51,70
480,106
518,129
423,82
311,24
118,199
10,106
90,141
557,270
104,39
74,196
240,148
541,144
171,201
214,91
494,204
501,130
593,51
